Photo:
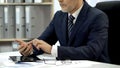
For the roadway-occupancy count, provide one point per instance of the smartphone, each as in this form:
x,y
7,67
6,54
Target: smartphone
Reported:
x,y
18,59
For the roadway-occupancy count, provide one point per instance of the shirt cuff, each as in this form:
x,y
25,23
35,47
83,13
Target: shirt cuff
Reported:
x,y
54,51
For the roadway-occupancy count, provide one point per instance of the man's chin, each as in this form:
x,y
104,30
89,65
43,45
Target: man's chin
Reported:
x,y
64,10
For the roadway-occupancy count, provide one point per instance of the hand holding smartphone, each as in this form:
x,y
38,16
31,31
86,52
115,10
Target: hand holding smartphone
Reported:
x,y
24,48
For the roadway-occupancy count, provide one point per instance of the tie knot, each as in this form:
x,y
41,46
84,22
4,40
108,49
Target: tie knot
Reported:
x,y
71,18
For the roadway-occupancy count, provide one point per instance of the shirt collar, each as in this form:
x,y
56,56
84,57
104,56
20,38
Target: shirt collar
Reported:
x,y
76,13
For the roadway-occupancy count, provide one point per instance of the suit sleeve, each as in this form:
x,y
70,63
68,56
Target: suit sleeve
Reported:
x,y
48,36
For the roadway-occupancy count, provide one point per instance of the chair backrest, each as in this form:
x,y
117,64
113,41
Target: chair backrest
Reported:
x,y
112,9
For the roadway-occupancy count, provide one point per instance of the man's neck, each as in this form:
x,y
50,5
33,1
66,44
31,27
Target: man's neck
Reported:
x,y
77,7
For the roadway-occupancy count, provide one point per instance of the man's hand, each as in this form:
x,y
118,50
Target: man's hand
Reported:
x,y
40,44
24,48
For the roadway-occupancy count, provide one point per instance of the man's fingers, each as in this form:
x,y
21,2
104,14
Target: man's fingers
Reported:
x,y
28,48
19,41
30,42
25,50
36,42
20,47
38,46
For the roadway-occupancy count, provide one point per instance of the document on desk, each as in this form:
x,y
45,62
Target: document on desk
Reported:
x,y
46,56
5,62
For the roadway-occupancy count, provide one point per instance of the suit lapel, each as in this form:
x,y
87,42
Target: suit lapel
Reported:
x,y
64,28
80,20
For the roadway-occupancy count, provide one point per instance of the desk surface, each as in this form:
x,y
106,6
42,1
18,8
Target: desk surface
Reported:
x,y
5,62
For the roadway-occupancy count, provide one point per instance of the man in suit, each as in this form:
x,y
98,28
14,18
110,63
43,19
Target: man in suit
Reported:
x,y
86,40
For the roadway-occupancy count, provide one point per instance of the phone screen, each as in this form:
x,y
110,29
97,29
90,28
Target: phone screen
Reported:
x,y
18,59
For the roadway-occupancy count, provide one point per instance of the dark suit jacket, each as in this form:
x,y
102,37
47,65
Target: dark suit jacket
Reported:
x,y
88,39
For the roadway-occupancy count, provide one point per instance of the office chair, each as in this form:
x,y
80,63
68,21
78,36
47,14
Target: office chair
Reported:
x,y
112,9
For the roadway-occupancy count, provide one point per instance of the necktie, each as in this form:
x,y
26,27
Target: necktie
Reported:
x,y
70,24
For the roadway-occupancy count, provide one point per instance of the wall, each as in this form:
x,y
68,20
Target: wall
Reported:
x,y
56,6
